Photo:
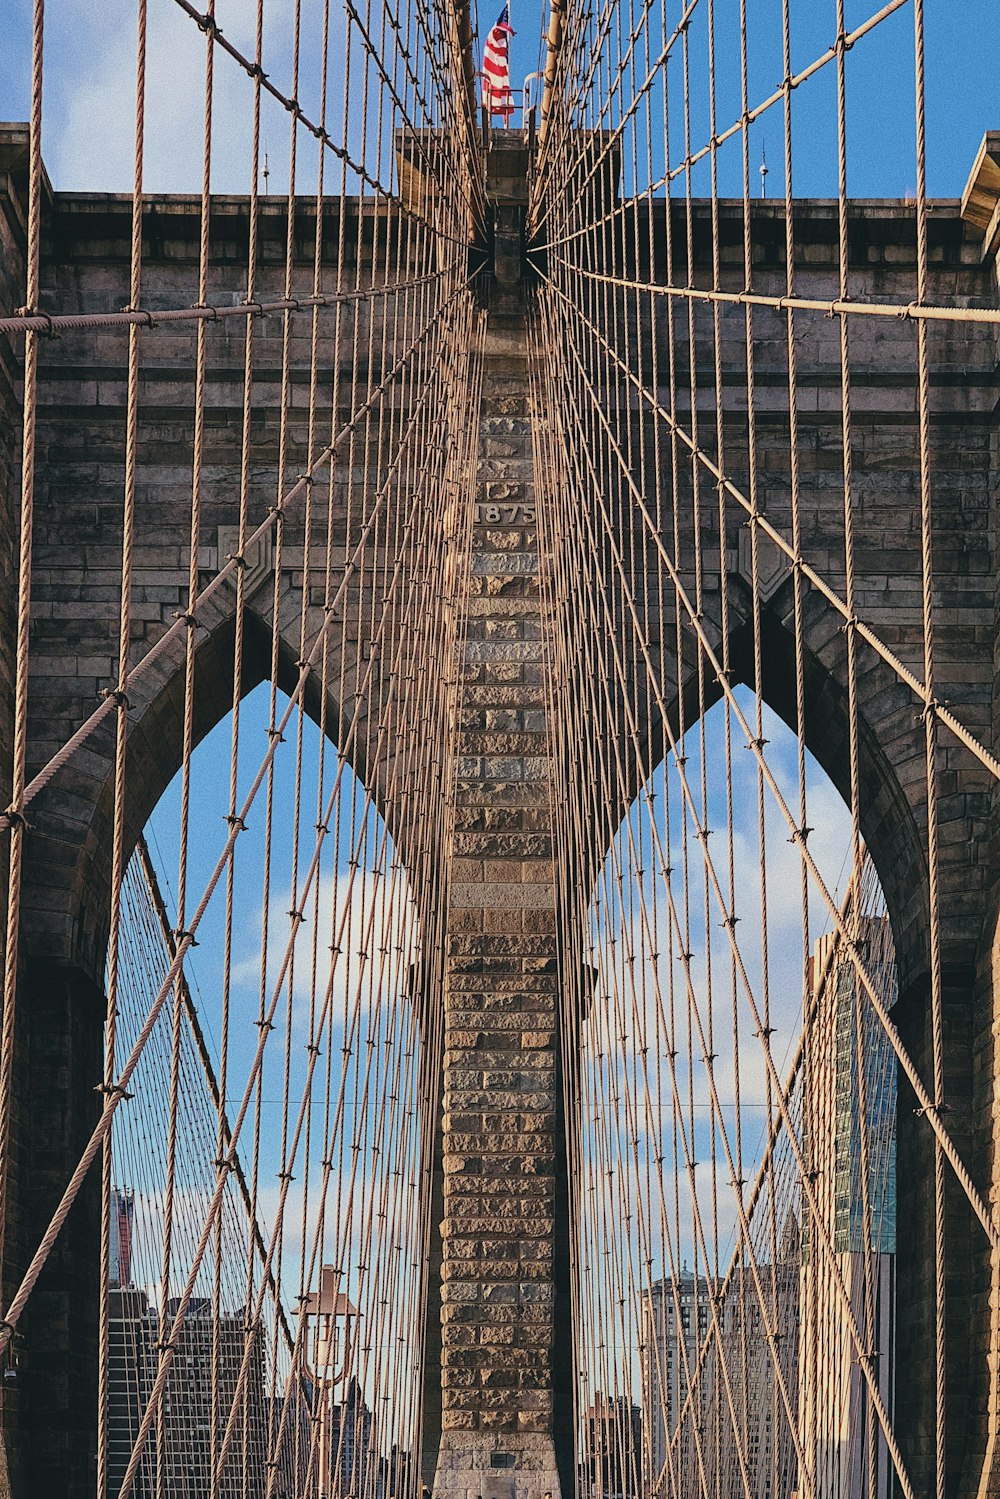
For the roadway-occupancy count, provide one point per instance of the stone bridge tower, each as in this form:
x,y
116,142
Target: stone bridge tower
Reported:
x,y
497,1398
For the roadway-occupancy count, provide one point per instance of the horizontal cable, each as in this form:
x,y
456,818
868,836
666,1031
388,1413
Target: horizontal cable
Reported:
x,y
300,487
64,322
758,519
901,311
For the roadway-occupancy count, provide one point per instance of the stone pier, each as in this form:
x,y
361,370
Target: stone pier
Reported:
x,y
504,1246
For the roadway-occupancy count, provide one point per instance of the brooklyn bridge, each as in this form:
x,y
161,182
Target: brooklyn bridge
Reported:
x,y
499,750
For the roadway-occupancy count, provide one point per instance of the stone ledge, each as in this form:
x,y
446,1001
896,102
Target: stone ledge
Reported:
x,y
506,896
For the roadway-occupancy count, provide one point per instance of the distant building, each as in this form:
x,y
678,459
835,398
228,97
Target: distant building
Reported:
x,y
688,1410
122,1214
676,1320
612,1465
849,1130
134,1337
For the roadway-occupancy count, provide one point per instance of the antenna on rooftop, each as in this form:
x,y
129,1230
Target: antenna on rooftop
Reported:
x,y
763,173
266,174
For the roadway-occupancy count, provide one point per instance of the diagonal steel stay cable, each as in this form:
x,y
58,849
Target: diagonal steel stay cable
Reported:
x,y
759,520
374,53
169,944
206,22
317,1028
776,1129
684,944
590,674
681,1132
185,941
141,317
764,1032
750,117
542,189
827,307
799,837
613,136
273,518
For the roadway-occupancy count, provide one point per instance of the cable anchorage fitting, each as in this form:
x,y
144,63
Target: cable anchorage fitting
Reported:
x,y
36,312
114,1090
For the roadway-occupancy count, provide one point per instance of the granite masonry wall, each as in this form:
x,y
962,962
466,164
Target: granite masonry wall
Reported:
x,y
502,1234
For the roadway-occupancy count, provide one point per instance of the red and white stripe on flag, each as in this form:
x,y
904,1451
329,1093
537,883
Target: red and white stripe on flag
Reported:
x,y
497,94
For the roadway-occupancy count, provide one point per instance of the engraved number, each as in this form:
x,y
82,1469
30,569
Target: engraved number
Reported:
x,y
506,515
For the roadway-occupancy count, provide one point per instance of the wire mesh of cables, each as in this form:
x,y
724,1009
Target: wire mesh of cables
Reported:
x,y
277,1226
719,536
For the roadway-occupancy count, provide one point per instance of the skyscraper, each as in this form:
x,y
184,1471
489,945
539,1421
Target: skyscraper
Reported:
x,y
712,1429
122,1214
849,1133
187,1412
675,1324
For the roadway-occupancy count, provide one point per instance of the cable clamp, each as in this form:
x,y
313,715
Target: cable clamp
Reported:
x,y
114,1090
181,935
212,312
264,1025
273,733
296,916
147,318
729,922
184,616
236,821
765,1033
46,318
13,817
166,1345
757,743
117,695
284,1176
278,511
255,70
799,835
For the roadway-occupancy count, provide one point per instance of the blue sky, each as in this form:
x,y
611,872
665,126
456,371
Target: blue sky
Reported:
x,y
87,142
90,69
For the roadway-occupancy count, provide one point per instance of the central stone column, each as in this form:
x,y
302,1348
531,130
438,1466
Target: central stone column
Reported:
x,y
504,1270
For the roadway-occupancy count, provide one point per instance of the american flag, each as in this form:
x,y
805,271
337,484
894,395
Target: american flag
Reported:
x,y
497,96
